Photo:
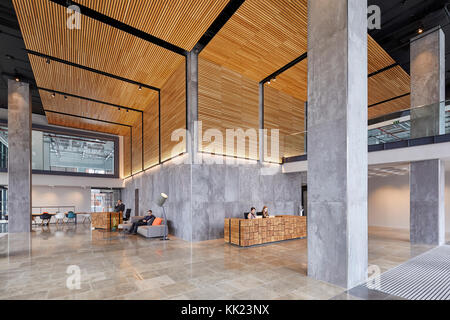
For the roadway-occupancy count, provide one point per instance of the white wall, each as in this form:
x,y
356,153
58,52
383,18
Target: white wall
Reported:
x,y
389,201
62,196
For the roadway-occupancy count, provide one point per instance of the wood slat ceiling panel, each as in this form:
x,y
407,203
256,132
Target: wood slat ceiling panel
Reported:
x,y
88,109
227,100
261,37
151,135
127,155
377,57
73,122
180,22
389,107
287,114
265,35
137,147
294,81
389,84
65,78
173,113
95,45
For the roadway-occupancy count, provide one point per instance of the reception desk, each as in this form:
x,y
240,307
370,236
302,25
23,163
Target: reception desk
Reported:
x,y
105,220
245,233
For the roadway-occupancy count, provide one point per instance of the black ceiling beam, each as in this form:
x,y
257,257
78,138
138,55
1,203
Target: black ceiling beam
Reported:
x,y
106,74
89,99
286,67
389,100
384,69
88,12
226,14
87,118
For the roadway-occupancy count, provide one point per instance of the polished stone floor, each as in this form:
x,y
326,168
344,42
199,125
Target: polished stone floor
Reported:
x,y
114,266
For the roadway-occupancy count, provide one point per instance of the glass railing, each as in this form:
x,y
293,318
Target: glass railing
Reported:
x,y
402,125
419,122
54,152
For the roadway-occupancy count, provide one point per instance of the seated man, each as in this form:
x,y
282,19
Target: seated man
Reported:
x,y
147,220
252,213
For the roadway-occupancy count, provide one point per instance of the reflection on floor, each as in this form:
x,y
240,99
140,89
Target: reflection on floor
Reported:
x,y
114,266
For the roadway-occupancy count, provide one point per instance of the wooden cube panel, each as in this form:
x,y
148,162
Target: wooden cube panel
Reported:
x,y
246,233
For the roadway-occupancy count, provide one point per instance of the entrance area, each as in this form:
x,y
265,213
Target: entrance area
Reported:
x,y
104,200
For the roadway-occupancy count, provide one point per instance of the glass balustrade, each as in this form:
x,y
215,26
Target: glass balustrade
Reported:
x,y
402,125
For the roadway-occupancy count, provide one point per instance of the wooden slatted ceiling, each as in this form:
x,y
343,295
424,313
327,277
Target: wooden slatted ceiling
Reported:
x,y
180,22
137,147
173,113
265,35
287,114
73,122
151,134
293,81
127,155
261,37
95,45
227,100
389,107
88,109
64,78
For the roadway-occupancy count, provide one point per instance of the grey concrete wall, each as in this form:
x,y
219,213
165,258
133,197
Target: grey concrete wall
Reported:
x,y
19,157
220,191
201,195
427,188
428,84
337,141
175,181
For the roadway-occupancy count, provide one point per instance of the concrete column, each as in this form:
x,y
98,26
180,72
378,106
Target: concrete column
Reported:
x,y
19,157
337,141
428,84
427,188
427,178
192,97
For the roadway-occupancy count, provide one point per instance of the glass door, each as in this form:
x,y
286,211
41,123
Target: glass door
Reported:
x,y
104,200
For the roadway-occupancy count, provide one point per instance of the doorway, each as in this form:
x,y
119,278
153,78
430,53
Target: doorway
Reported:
x,y
305,200
104,200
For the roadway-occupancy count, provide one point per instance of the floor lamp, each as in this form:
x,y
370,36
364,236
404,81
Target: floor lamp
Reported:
x,y
160,202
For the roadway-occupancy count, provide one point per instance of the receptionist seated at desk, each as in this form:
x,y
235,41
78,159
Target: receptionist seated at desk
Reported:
x,y
252,213
265,212
257,215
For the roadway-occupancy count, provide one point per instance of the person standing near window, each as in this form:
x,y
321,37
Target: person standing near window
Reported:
x,y
120,207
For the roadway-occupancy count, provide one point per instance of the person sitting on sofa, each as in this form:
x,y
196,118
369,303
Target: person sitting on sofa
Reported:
x,y
252,213
147,220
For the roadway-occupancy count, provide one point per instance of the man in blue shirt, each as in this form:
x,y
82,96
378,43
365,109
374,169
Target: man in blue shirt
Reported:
x,y
147,220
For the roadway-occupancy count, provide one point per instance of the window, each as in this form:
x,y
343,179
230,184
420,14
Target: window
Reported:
x,y
56,152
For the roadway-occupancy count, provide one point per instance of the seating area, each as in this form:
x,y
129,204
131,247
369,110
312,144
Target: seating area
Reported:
x,y
157,229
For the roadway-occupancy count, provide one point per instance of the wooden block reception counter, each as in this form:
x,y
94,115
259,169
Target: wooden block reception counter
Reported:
x,y
105,220
245,233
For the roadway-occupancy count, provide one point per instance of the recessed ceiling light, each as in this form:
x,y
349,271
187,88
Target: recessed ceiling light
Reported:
x,y
47,61
17,79
420,30
65,97
140,88
53,95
